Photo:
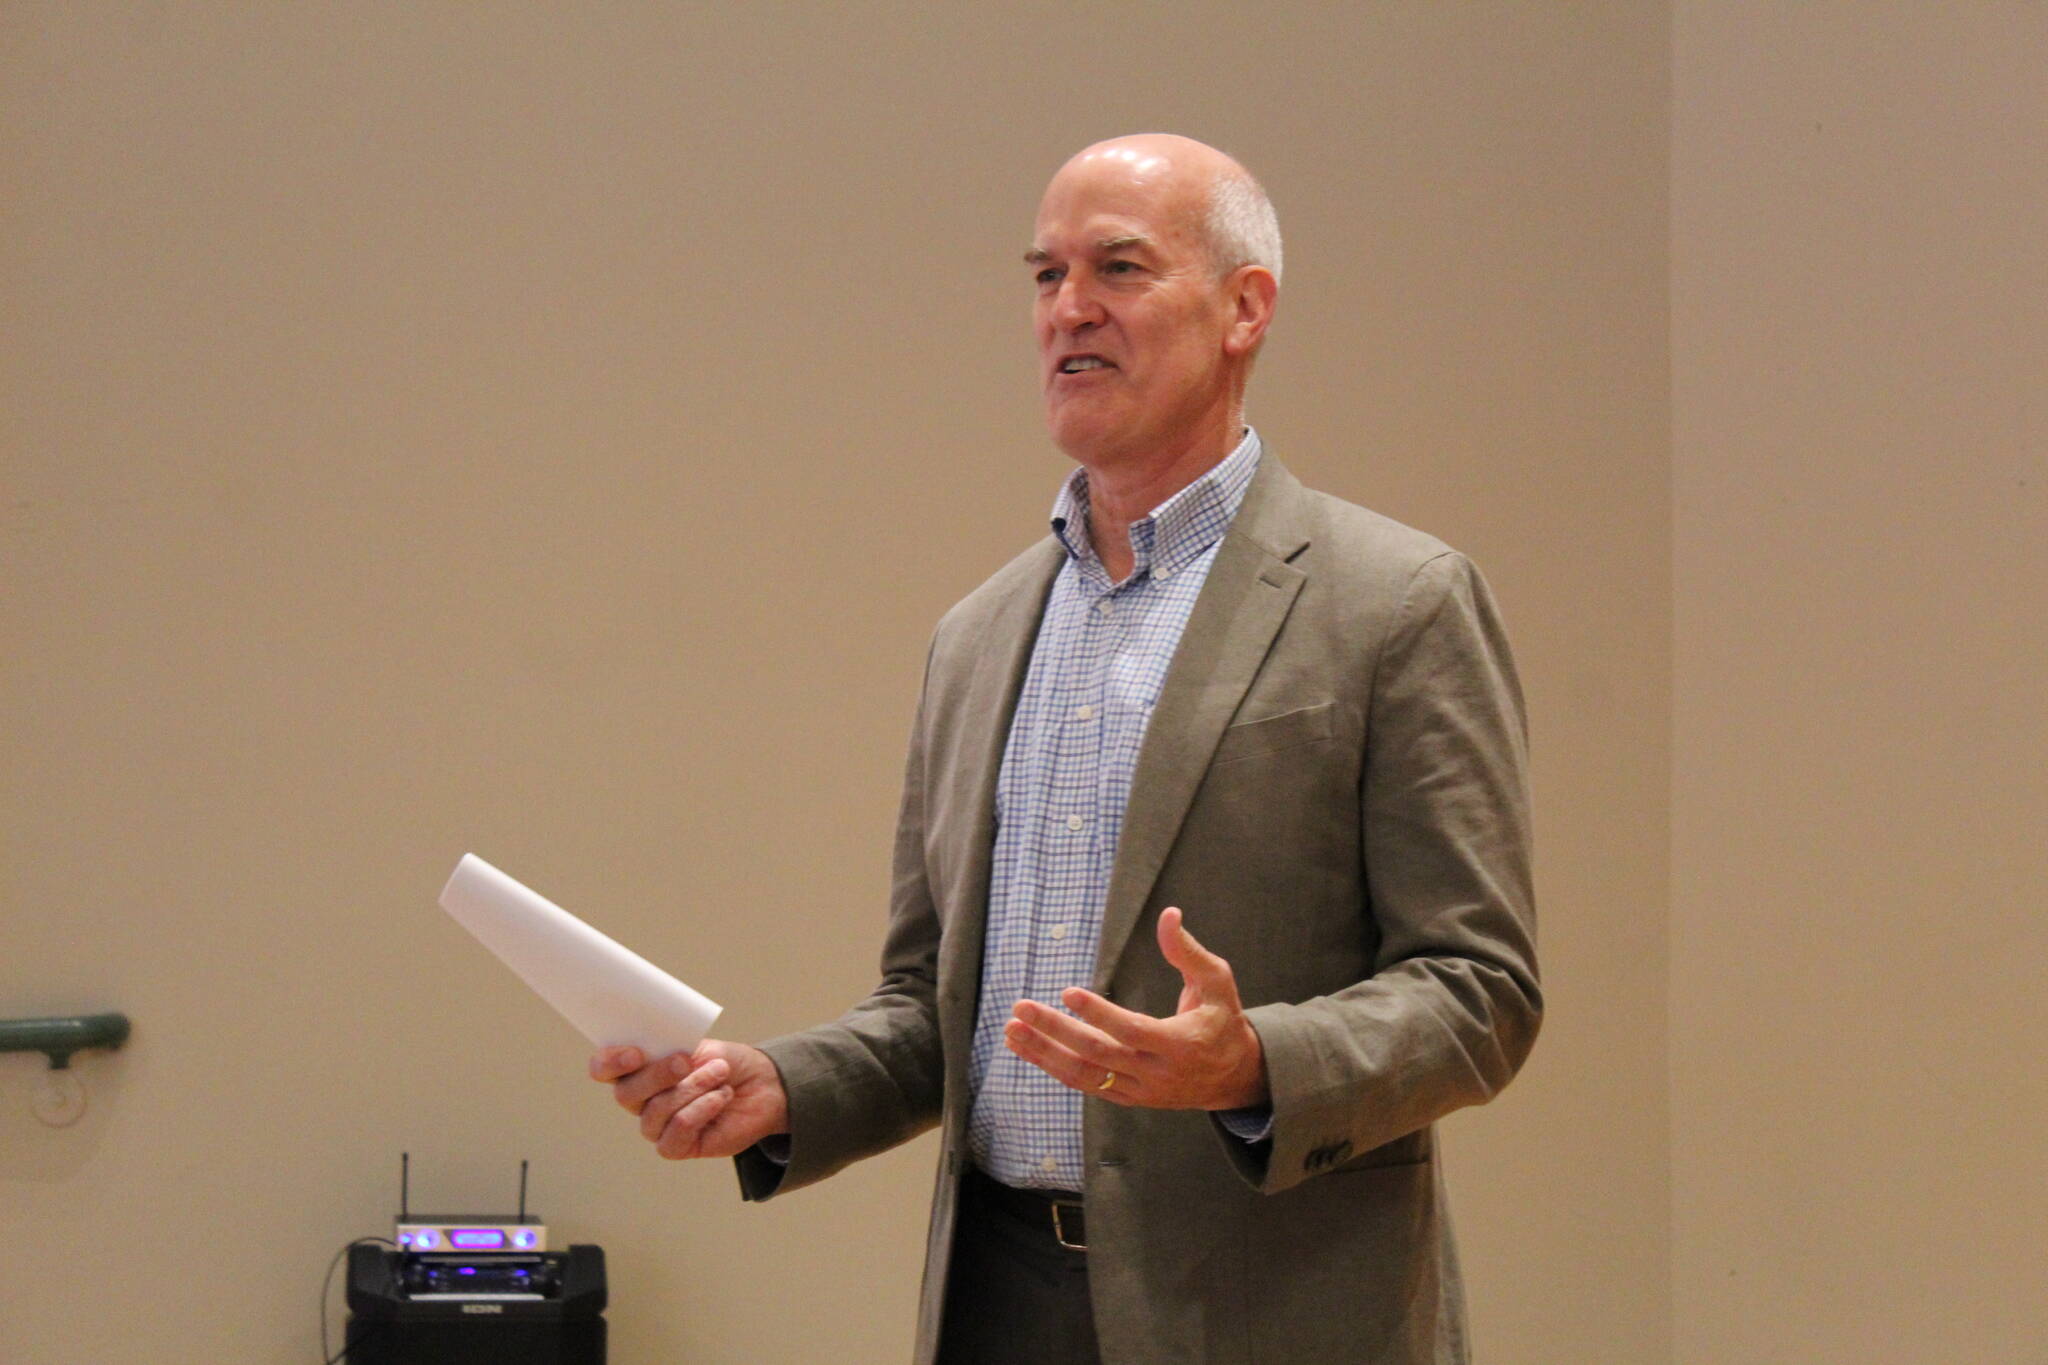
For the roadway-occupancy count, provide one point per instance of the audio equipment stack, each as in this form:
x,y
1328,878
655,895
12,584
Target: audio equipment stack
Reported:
x,y
474,1289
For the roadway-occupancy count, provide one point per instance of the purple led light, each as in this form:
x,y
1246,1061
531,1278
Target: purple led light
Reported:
x,y
426,1238
524,1239
477,1239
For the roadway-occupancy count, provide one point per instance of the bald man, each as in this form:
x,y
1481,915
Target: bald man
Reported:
x,y
1211,878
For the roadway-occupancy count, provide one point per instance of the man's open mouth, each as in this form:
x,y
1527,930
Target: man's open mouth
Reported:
x,y
1075,364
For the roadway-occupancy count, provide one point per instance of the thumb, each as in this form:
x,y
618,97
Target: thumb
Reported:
x,y
1208,974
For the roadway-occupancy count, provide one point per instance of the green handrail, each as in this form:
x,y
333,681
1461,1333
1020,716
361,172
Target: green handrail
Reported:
x,y
59,1038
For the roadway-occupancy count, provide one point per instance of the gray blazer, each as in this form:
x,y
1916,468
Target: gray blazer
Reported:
x,y
1332,786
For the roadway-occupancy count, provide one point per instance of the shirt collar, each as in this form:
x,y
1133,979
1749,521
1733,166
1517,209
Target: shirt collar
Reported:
x,y
1174,533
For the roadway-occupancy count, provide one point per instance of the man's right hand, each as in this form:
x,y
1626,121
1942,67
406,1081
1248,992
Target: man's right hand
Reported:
x,y
717,1101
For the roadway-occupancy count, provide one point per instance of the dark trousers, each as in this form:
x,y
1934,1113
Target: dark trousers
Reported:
x,y
1014,1295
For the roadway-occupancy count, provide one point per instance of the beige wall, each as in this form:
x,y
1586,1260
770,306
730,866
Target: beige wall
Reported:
x,y
1860,342
552,431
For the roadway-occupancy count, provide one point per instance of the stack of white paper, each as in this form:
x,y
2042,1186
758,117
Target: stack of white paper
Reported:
x,y
610,993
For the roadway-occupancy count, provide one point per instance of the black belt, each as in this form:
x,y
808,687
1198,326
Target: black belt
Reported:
x,y
1055,1212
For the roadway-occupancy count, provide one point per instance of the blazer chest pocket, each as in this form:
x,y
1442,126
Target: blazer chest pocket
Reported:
x,y
1288,730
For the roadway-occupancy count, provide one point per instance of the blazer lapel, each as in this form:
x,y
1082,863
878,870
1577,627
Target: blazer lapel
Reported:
x,y
1250,589
1001,660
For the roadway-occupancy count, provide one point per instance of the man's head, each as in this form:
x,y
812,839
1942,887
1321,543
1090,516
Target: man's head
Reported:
x,y
1157,262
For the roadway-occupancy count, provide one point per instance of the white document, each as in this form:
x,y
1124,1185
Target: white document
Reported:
x,y
614,996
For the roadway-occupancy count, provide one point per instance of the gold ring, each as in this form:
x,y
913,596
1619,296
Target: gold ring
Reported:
x,y
1107,1081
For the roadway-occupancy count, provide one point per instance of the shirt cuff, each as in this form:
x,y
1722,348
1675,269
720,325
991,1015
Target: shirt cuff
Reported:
x,y
775,1147
1251,1125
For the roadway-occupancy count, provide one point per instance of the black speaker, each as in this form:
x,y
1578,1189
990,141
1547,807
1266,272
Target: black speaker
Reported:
x,y
542,1308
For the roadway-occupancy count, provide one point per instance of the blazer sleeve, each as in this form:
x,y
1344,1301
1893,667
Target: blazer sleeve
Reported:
x,y
872,1078
1452,1005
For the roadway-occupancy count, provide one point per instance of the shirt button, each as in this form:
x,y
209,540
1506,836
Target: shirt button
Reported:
x,y
1048,1162
1163,574
1103,606
1074,822
1059,931
1084,712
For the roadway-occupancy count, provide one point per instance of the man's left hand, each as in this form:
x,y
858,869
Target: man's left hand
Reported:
x,y
1205,1056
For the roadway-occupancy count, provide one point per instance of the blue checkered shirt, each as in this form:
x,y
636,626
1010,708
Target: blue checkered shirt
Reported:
x,y
1096,671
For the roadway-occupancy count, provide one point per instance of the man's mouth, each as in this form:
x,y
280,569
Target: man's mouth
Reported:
x,y
1077,364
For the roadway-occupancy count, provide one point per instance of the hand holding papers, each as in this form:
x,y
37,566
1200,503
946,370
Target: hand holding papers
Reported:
x,y
610,993
694,1097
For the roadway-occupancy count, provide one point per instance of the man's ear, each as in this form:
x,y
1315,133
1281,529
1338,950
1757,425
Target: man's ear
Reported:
x,y
1254,294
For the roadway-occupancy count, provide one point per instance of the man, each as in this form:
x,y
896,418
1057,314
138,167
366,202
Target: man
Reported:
x,y
1213,689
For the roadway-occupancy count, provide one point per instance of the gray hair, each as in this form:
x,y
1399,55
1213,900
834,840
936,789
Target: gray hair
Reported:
x,y
1242,227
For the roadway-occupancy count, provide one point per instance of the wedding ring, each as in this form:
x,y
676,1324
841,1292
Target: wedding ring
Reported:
x,y
1107,1081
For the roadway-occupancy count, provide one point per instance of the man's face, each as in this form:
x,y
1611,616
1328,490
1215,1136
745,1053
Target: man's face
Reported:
x,y
1130,317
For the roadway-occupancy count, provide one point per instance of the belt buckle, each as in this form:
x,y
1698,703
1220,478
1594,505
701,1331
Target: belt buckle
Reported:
x,y
1059,1229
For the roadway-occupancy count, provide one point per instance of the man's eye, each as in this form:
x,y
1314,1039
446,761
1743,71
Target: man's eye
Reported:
x,y
1119,267
1047,276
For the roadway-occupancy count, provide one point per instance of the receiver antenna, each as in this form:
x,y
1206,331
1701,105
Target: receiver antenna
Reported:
x,y
522,1189
404,1186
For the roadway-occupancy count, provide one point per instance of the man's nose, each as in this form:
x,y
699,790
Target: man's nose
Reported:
x,y
1075,306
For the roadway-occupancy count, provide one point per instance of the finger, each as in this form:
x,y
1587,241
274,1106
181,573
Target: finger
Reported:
x,y
659,1110
1090,1044
609,1063
686,1130
1139,1032
1063,1066
1206,972
655,1114
633,1091
1052,1058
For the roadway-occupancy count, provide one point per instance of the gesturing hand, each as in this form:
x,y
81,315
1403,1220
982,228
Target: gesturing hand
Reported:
x,y
717,1101
1205,1056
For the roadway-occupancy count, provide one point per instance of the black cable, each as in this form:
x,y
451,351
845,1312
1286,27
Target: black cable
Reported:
x,y
346,1346
327,1286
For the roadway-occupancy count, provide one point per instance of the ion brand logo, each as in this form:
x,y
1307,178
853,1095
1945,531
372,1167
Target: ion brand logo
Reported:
x,y
483,1308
